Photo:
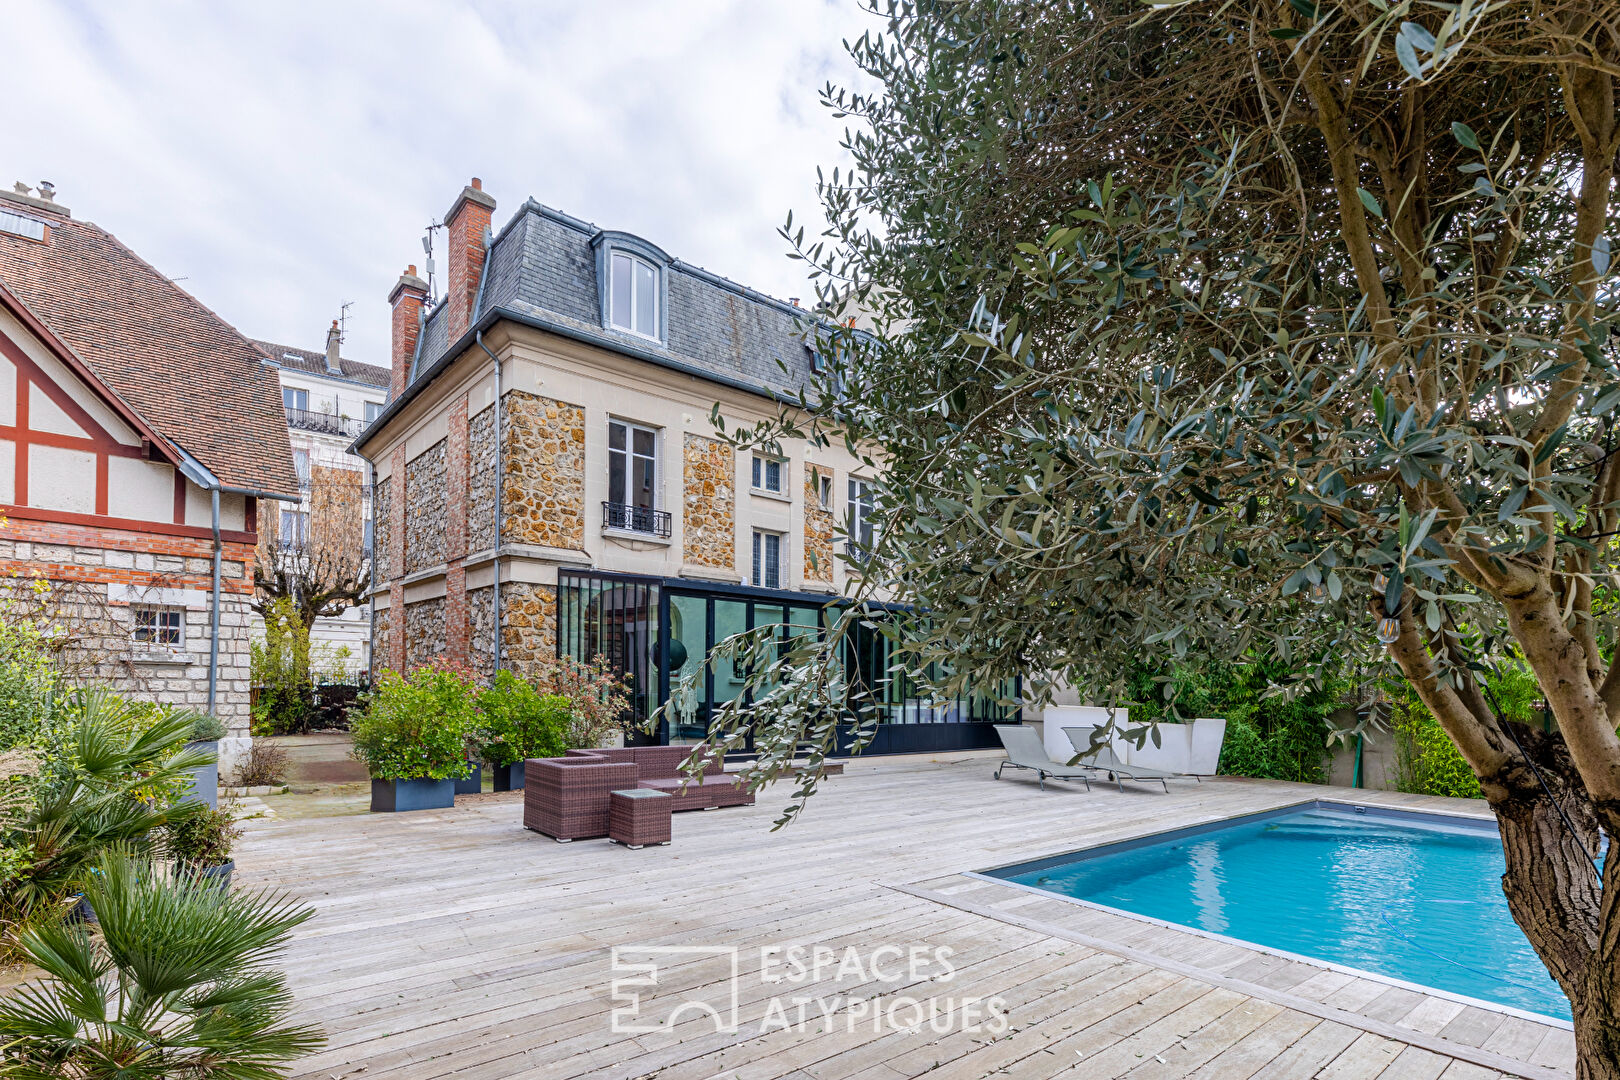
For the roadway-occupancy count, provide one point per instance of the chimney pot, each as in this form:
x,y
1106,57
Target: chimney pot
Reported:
x,y
334,340
794,300
410,271
477,184
47,191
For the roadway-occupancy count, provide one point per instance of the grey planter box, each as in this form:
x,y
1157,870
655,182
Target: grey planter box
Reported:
x,y
395,796
217,876
507,777
205,781
472,783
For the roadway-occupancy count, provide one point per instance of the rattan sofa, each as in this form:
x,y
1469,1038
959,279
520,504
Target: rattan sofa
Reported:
x,y
567,797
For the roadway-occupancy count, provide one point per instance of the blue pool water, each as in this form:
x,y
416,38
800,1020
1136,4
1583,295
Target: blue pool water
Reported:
x,y
1408,896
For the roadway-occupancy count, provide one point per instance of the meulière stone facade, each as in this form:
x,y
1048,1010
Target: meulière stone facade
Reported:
x,y
424,631
426,498
818,532
544,498
382,531
708,496
528,626
481,481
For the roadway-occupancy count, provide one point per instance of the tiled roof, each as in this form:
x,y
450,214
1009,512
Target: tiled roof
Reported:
x,y
314,363
543,265
180,367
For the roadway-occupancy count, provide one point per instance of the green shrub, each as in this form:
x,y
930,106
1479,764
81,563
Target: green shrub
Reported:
x,y
519,722
1427,762
1269,735
27,682
204,838
417,727
207,728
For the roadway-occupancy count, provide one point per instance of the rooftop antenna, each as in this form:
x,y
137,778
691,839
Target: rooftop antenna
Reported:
x,y
427,248
343,320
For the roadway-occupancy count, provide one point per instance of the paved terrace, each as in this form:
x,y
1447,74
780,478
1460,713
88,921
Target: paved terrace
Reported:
x,y
456,944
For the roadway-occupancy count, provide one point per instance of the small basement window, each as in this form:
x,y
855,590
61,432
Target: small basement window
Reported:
x,y
159,627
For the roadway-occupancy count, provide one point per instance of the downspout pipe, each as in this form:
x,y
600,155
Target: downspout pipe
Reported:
x,y
213,637
500,456
203,477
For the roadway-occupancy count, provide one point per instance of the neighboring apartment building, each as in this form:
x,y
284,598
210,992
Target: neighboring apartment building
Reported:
x,y
613,520
328,400
137,433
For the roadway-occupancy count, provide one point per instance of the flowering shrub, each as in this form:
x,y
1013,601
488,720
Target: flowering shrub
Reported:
x,y
598,698
418,726
519,722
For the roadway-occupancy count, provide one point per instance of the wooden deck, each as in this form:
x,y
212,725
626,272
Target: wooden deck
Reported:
x,y
456,944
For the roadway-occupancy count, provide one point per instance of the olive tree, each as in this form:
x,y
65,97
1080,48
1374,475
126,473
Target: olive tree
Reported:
x,y
1279,329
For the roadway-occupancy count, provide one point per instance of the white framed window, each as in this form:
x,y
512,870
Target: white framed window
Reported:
x,y
770,474
632,478
294,398
824,490
860,517
294,528
632,294
373,410
301,465
767,559
159,626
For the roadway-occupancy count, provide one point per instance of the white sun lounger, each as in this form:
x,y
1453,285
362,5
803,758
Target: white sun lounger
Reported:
x,y
1024,751
1103,760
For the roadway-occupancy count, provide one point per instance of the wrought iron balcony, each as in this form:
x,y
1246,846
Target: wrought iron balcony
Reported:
x,y
641,519
325,423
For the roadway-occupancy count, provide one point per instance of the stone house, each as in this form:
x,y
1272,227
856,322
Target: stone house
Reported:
x,y
548,477
328,399
137,432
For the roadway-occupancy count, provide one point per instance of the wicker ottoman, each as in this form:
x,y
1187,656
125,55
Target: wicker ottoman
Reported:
x,y
639,816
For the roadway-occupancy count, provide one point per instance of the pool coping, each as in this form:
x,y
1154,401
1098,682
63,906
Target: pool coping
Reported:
x,y
1145,839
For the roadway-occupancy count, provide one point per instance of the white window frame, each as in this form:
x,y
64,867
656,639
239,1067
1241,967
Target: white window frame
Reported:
x,y
632,261
293,528
757,566
162,621
372,410
761,473
629,455
824,489
861,504
290,395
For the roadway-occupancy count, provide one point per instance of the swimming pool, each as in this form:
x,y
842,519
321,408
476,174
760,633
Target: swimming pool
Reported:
x,y
1413,897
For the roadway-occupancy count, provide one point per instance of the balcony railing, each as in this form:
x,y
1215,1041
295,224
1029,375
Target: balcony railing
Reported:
x,y
326,423
641,519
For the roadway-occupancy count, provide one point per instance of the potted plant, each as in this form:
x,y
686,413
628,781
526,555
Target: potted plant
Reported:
x,y
206,731
181,981
517,722
200,844
412,737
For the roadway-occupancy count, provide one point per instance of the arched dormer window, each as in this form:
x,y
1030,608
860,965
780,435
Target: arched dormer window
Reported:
x,y
632,286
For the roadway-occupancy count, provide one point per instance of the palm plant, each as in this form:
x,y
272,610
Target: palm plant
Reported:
x,y
178,985
122,774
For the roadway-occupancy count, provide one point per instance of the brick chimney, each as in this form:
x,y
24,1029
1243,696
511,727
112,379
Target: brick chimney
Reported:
x,y
409,294
465,225
334,341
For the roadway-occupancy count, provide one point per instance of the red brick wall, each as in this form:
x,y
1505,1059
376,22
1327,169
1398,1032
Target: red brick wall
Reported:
x,y
49,561
407,299
456,621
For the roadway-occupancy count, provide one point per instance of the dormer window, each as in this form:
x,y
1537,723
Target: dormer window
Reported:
x,y
634,295
631,283
20,225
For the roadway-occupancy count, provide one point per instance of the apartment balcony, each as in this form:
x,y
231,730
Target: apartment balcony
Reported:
x,y
641,519
324,423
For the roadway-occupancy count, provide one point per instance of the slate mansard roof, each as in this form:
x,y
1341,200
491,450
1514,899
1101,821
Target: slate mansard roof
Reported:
x,y
183,370
543,267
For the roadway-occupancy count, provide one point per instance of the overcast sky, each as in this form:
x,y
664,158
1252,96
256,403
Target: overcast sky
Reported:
x,y
285,157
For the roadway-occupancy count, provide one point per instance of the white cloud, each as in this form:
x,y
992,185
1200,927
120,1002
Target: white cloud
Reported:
x,y
283,158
